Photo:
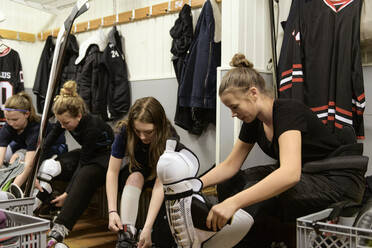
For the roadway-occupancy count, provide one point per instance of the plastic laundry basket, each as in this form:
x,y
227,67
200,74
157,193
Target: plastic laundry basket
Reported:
x,y
23,231
22,205
313,233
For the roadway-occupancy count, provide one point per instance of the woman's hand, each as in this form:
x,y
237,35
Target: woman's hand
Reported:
x,y
220,214
38,186
145,238
114,222
59,200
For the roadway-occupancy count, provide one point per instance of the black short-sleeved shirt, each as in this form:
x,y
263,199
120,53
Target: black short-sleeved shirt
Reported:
x,y
141,151
28,138
93,134
289,114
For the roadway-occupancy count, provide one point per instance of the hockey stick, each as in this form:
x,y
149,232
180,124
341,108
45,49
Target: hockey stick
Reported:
x,y
55,74
273,46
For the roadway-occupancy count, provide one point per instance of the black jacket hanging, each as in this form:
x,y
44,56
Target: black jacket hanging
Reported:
x,y
93,82
103,78
69,71
182,34
118,88
198,79
197,88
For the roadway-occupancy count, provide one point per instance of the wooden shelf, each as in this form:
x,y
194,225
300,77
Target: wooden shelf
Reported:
x,y
16,35
128,16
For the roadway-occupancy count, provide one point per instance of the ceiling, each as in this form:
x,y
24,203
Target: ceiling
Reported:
x,y
50,6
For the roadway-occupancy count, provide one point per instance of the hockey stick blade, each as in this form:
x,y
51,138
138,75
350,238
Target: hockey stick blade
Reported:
x,y
55,74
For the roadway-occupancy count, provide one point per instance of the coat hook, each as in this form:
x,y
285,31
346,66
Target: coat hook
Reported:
x,y
133,15
169,6
88,26
150,11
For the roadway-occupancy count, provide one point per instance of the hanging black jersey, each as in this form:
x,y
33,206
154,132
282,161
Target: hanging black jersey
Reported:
x,y
320,61
11,77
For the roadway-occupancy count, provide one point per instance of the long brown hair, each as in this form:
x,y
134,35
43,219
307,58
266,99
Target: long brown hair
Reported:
x,y
242,77
69,101
147,110
22,101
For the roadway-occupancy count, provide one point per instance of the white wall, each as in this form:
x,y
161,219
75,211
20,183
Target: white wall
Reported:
x,y
246,29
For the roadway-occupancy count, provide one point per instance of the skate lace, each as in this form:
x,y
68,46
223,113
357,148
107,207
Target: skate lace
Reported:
x,y
60,229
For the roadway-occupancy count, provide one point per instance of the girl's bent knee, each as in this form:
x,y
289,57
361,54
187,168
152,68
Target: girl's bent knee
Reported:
x,y
135,179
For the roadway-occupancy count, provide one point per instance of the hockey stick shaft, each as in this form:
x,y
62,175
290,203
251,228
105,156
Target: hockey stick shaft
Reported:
x,y
55,75
273,46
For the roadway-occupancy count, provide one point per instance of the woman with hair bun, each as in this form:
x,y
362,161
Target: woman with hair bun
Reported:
x,y
19,135
291,133
85,168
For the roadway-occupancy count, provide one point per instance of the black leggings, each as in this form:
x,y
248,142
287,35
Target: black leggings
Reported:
x,y
86,180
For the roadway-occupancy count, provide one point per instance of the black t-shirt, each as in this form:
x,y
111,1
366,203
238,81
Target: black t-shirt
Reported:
x,y
93,134
289,114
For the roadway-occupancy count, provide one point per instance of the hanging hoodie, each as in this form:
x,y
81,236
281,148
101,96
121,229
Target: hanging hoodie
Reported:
x,y
92,78
118,89
69,70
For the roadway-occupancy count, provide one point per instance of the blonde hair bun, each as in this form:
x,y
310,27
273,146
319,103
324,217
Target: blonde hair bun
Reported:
x,y
239,60
69,89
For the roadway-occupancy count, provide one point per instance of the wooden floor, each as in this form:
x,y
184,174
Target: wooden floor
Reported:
x,y
91,231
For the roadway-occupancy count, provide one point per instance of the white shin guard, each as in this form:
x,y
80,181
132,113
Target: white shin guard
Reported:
x,y
129,204
231,234
49,169
187,210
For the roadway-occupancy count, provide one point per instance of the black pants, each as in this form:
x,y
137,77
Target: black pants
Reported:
x,y
86,180
313,193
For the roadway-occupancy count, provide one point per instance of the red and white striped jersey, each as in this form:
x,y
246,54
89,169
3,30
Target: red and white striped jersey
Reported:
x,y
320,62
